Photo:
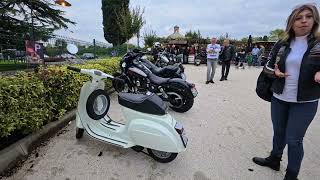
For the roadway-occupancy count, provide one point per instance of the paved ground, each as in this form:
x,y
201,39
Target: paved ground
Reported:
x,y
227,126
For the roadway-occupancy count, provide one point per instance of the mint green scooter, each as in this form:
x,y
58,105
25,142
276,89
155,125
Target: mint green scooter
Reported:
x,y
148,124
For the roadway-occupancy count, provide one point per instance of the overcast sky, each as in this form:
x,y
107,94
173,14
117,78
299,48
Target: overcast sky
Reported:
x,y
238,18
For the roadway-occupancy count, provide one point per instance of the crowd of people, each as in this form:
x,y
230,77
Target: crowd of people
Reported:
x,y
293,71
294,67
227,54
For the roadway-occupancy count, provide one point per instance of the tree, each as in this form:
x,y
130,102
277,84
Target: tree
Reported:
x,y
150,38
199,34
244,40
277,34
111,28
265,38
130,22
16,22
259,38
193,34
119,23
221,39
16,17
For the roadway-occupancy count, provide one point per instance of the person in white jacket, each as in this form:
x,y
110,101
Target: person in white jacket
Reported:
x,y
213,50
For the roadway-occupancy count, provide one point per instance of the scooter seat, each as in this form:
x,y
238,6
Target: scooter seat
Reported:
x,y
150,104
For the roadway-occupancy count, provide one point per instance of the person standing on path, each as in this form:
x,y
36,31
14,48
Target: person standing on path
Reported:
x,y
213,50
228,54
255,54
294,62
260,55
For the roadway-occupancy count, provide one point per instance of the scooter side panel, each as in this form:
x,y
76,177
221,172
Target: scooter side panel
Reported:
x,y
154,135
95,128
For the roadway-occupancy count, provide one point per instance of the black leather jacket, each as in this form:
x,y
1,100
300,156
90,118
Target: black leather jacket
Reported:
x,y
308,88
228,53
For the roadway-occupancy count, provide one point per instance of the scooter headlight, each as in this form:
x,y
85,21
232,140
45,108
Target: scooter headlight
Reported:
x,y
123,64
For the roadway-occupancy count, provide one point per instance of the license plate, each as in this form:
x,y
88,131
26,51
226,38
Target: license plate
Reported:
x,y
194,92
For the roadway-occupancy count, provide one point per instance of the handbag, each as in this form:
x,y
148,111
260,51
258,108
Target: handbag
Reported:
x,y
263,88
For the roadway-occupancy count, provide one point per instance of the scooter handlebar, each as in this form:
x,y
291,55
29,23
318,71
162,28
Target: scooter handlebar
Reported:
x,y
73,68
91,72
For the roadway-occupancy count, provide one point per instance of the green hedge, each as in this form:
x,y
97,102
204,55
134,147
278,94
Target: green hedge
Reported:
x,y
30,100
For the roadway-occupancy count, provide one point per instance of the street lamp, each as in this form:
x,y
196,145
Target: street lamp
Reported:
x,y
63,3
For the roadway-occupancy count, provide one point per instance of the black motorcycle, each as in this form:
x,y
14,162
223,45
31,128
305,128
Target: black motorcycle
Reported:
x,y
165,58
169,71
138,78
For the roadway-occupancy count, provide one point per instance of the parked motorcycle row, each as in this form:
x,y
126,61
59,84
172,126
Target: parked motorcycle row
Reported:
x,y
166,78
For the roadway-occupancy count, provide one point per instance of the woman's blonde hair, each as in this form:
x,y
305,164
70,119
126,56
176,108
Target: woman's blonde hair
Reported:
x,y
289,33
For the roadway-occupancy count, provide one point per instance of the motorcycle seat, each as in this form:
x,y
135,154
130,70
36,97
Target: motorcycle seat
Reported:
x,y
157,70
150,104
172,68
157,80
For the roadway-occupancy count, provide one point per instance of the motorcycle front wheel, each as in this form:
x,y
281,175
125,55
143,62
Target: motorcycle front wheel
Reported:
x,y
120,86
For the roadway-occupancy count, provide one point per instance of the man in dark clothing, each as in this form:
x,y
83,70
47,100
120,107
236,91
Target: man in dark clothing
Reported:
x,y
227,55
185,54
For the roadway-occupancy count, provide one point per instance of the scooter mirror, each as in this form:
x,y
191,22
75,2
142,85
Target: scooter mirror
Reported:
x,y
72,49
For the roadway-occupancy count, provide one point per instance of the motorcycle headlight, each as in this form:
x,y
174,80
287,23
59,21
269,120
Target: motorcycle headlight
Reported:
x,y
123,64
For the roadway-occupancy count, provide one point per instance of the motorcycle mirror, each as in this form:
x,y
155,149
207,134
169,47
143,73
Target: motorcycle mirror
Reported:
x,y
72,49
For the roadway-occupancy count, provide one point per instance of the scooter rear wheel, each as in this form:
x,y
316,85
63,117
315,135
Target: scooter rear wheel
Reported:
x,y
162,157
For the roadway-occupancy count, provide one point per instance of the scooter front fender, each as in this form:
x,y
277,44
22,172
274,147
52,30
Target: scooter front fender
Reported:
x,y
78,121
158,136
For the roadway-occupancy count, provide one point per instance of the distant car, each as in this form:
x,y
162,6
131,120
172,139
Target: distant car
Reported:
x,y
87,56
68,56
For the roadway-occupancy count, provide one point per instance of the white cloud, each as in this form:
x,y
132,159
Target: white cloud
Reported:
x,y
237,17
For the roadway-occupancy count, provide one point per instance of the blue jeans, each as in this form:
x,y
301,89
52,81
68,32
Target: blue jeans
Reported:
x,y
290,123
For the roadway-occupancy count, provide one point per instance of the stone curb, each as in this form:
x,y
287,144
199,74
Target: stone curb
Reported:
x,y
11,155
22,148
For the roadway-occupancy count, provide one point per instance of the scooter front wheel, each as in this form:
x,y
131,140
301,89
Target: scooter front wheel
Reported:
x,y
98,104
79,132
162,157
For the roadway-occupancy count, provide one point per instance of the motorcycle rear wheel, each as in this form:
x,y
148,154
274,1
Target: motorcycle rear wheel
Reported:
x,y
180,100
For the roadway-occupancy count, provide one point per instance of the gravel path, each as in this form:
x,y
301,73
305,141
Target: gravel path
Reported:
x,y
226,127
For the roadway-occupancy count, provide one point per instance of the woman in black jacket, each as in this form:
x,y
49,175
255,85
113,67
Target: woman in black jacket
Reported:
x,y
295,63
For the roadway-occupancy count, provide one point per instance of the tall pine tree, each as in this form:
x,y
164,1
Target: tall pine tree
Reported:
x,y
111,28
119,22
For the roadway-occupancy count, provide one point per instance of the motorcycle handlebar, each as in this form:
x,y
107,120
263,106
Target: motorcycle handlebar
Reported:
x,y
73,68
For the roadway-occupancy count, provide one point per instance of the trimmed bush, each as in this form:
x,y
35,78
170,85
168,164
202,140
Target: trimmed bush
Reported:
x,y
30,100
